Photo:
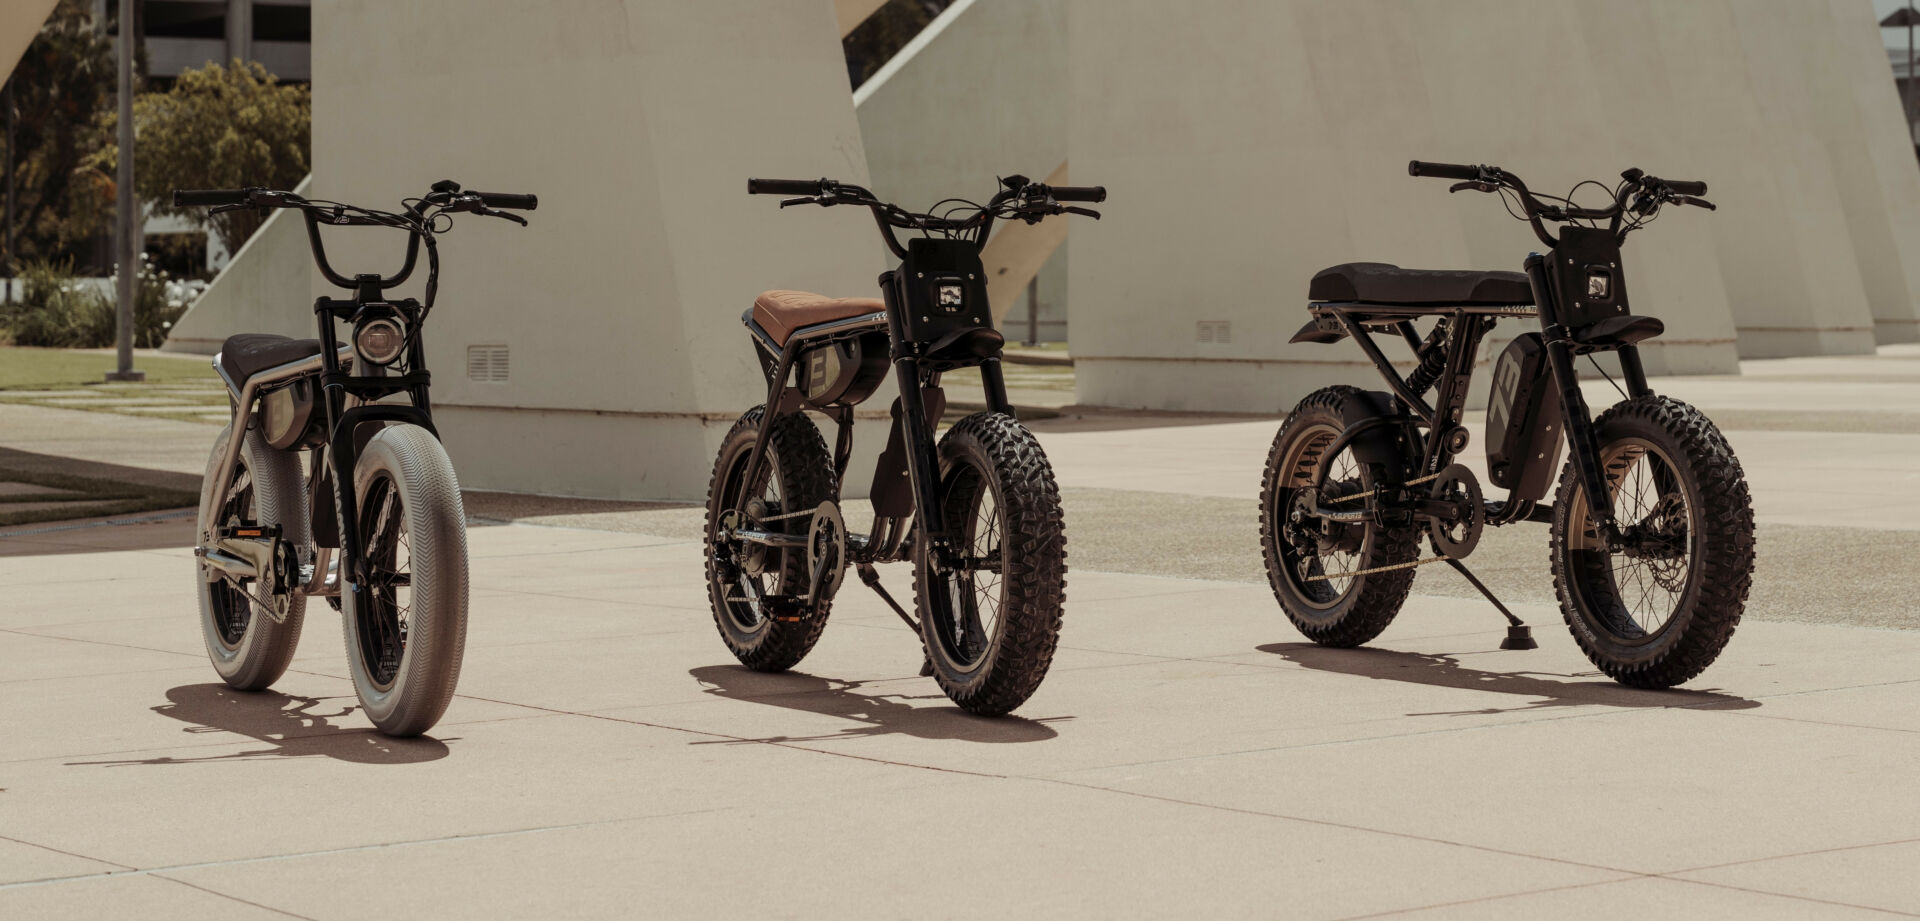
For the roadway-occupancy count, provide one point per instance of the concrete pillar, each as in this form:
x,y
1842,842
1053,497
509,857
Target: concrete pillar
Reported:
x,y
1250,145
637,123
1775,39
239,31
1884,210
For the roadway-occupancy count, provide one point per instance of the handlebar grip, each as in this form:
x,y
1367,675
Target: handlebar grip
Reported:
x,y
198,198
786,186
1686,188
1094,193
1442,170
509,200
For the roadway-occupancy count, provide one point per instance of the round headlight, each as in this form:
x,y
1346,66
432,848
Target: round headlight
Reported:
x,y
379,341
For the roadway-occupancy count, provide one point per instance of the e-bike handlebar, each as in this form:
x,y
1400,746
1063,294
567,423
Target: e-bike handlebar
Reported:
x,y
789,186
1020,198
419,221
1646,194
197,198
1092,193
1445,170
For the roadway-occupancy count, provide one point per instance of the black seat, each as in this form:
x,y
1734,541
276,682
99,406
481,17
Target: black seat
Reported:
x,y
248,354
1380,283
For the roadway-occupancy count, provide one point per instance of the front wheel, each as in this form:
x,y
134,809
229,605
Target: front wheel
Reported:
x,y
406,627
992,619
1658,610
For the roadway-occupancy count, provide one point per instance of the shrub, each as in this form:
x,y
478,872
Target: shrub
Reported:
x,y
57,311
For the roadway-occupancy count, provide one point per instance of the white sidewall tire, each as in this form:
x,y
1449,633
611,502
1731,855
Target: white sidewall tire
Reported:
x,y
437,622
279,497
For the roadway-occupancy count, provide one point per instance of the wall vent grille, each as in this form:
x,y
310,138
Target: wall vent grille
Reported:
x,y
1213,332
487,363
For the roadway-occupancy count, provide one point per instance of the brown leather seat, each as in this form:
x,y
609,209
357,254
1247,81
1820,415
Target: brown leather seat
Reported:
x,y
782,312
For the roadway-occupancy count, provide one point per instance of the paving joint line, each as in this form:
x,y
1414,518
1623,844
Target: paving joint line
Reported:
x,y
230,897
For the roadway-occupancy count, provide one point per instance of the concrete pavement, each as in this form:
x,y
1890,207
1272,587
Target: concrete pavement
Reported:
x,y
1189,755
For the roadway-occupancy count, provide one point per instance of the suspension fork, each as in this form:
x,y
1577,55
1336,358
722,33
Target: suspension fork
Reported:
x,y
1582,444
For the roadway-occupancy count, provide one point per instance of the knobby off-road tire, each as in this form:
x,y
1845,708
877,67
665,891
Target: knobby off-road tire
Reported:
x,y
411,521
798,477
990,635
1655,624
1336,612
249,650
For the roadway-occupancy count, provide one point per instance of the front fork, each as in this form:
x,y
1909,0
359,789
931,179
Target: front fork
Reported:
x,y
1582,443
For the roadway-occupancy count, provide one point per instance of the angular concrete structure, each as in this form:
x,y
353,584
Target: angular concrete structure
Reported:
x,y
637,123
264,289
980,93
20,21
1257,143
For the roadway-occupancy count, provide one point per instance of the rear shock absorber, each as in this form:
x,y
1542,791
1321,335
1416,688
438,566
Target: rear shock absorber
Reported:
x,y
1433,359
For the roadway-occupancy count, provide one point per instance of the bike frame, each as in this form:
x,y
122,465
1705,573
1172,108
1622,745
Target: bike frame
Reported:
x,y
349,401
913,425
1470,326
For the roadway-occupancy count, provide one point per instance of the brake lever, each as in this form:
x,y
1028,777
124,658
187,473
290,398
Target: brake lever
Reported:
x,y
1696,202
507,215
222,209
1088,212
1475,184
801,201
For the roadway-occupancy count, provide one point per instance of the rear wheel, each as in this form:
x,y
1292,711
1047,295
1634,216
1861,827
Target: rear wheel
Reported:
x,y
1315,566
406,628
1659,611
248,649
750,584
992,621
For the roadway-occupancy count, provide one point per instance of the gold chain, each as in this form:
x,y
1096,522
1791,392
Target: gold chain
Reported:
x,y
1362,495
1368,572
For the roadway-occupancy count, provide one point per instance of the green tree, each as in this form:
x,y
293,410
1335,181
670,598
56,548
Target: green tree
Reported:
x,y
219,128
60,88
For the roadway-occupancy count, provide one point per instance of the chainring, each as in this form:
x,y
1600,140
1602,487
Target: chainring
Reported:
x,y
1457,538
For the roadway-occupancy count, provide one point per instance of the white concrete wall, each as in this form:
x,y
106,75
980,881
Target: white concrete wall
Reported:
x,y
1883,207
1249,145
637,123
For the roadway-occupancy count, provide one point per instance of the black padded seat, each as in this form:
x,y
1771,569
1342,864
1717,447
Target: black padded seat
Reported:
x,y
248,354
1380,283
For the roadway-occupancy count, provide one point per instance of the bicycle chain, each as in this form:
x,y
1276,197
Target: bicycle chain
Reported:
x,y
1368,572
1362,495
1377,569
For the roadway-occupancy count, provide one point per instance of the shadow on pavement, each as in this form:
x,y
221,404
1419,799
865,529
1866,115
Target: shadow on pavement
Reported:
x,y
876,713
1445,671
286,723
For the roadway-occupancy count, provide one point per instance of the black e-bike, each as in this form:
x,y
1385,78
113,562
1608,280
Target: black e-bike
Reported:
x,y
1652,527
978,513
378,486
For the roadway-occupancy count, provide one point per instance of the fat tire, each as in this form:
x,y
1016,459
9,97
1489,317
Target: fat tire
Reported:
x,y
1720,574
436,522
1034,563
279,497
1376,599
805,469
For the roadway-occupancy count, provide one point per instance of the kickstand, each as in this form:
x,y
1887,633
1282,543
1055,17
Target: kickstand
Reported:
x,y
871,579
1519,635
